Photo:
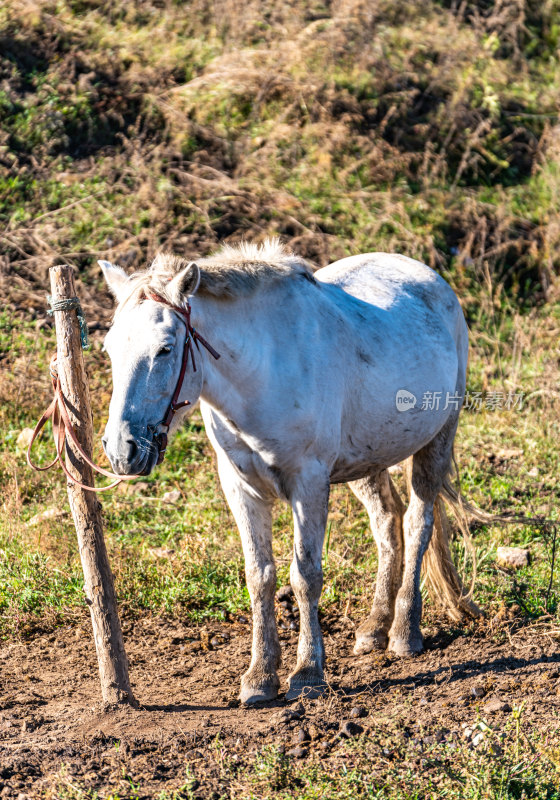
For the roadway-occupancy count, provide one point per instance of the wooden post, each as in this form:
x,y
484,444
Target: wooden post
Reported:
x,y
85,507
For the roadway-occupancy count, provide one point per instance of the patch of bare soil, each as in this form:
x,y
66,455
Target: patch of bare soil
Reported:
x,y
186,680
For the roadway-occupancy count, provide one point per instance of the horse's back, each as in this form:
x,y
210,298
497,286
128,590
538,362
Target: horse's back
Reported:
x,y
384,279
407,327
412,293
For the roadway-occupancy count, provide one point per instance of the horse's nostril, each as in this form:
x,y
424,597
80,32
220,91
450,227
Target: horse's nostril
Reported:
x,y
132,450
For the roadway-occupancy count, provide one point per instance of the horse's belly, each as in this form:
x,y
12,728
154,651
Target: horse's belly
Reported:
x,y
386,435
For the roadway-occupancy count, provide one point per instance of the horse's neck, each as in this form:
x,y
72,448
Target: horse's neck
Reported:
x,y
233,328
263,340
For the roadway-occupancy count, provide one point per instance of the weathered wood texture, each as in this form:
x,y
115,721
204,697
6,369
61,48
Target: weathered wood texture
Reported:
x,y
85,507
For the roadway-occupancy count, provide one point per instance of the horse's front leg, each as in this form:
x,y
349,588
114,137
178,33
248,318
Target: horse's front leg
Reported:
x,y
253,517
309,499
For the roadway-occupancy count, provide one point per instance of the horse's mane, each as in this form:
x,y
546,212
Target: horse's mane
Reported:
x,y
232,271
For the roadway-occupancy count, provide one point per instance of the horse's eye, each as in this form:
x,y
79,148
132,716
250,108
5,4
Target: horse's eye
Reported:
x,y
164,351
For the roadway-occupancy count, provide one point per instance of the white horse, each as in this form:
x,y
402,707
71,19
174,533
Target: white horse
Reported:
x,y
324,377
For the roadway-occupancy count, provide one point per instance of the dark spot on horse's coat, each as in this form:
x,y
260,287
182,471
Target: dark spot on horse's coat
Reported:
x,y
232,424
365,357
296,404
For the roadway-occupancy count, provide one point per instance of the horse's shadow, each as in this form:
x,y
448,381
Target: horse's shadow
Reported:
x,y
179,708
452,672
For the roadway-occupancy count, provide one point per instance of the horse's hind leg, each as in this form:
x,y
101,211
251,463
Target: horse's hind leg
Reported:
x,y
254,520
429,467
385,510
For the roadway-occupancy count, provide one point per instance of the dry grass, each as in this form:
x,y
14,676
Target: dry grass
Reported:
x,y
342,128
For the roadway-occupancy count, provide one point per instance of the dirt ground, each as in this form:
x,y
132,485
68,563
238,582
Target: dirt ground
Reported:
x,y
186,680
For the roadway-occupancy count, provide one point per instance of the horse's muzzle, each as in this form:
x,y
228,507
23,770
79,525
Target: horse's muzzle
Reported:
x,y
128,457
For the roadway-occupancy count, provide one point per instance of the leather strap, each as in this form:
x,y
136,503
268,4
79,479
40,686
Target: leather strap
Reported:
x,y
62,427
188,349
62,424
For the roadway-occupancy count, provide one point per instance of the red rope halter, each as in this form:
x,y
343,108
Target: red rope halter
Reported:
x,y
62,424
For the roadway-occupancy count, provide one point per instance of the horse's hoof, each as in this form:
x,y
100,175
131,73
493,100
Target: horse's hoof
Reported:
x,y
368,641
405,648
249,695
305,692
305,687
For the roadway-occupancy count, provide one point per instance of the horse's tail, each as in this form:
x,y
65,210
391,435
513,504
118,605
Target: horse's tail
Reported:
x,y
442,579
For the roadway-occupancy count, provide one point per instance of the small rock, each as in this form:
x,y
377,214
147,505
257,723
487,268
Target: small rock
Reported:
x,y
477,739
301,736
24,439
171,497
477,692
467,733
515,557
297,711
509,452
285,715
294,625
161,552
43,516
349,729
314,732
281,717
139,486
357,712
215,641
495,704
242,619
284,593
297,752
133,488
533,473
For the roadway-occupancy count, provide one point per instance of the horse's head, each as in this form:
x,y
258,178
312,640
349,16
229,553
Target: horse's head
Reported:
x,y
146,344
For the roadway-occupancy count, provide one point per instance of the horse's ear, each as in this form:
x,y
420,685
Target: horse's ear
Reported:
x,y
115,277
184,283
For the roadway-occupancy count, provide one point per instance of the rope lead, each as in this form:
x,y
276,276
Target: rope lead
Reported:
x,y
65,305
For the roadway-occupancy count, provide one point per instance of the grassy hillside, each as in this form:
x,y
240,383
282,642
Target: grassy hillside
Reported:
x,y
348,126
